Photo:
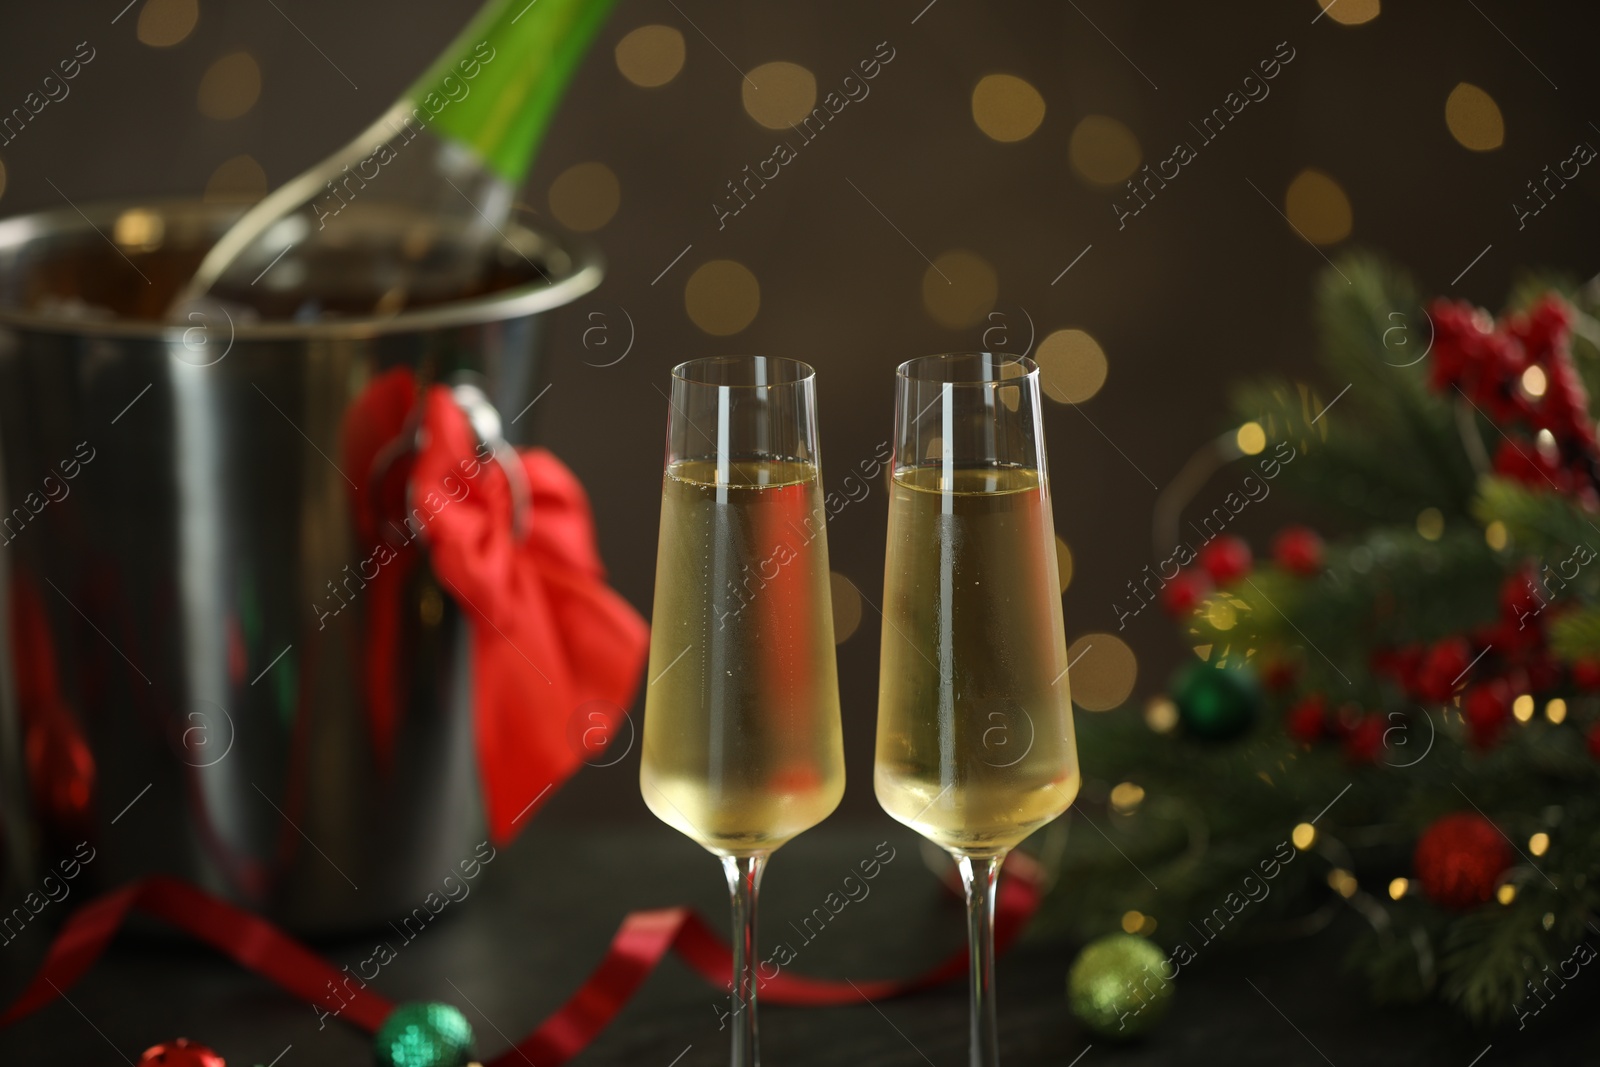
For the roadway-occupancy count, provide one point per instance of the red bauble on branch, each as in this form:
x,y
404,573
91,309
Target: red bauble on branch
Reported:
x,y
1364,740
1487,709
1298,550
1227,559
1307,720
1442,668
1586,674
1184,593
1278,674
1459,859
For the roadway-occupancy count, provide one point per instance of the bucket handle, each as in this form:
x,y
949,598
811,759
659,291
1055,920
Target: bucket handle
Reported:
x,y
484,419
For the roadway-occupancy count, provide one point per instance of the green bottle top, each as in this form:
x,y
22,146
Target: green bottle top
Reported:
x,y
496,87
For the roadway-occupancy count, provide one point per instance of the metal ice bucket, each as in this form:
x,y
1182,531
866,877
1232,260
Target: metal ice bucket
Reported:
x,y
171,516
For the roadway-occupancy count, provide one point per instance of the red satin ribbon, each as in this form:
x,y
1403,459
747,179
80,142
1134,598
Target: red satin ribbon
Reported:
x,y
640,943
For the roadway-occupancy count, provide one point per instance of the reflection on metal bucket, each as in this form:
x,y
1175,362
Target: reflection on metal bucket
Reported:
x,y
175,521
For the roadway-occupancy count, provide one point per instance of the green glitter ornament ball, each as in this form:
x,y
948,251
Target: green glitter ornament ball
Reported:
x,y
424,1035
1217,703
1117,986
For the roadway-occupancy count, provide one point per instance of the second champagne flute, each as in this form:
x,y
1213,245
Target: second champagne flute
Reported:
x,y
975,742
742,747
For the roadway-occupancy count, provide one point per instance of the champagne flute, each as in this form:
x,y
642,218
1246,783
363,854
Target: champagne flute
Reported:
x,y
742,747
975,746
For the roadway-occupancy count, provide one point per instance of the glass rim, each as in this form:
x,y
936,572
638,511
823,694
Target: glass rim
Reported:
x,y
794,371
908,371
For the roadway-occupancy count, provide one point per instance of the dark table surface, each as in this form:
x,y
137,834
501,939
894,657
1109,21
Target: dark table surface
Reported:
x,y
542,915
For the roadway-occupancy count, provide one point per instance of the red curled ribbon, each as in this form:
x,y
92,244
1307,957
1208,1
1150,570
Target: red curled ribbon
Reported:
x,y
638,946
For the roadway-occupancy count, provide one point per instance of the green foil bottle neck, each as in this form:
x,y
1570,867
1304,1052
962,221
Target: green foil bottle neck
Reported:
x,y
497,86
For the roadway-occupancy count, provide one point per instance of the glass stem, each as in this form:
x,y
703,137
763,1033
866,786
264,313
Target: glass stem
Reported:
x,y
979,875
744,879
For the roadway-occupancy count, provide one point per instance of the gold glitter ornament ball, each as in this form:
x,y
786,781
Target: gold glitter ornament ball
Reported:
x,y
1117,986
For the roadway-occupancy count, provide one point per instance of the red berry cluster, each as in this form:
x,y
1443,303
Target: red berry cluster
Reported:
x,y
1359,732
1515,659
1486,362
1488,667
1224,560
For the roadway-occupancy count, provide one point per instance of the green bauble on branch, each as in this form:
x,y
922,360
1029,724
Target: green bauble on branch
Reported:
x,y
1117,987
1216,703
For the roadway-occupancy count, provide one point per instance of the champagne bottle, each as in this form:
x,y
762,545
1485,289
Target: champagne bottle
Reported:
x,y
405,213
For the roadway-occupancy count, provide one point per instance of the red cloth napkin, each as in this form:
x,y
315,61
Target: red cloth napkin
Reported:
x,y
556,653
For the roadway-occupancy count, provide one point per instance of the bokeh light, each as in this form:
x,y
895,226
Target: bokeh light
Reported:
x,y
959,288
1161,714
651,56
1137,922
231,86
1251,439
1063,563
779,94
585,197
1430,523
846,607
1127,796
1474,118
239,179
1103,151
1103,671
163,23
138,230
1006,108
1318,207
1351,12
1495,535
722,297
1072,366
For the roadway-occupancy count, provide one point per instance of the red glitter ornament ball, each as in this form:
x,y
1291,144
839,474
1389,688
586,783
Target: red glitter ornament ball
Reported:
x,y
180,1053
1227,559
1459,859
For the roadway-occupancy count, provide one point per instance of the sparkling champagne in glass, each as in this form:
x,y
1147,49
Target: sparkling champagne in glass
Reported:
x,y
742,747
975,744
